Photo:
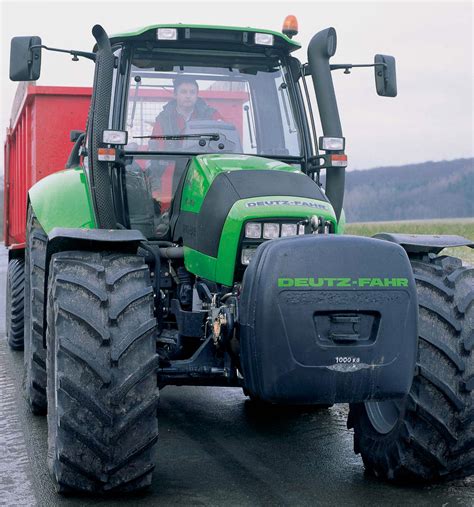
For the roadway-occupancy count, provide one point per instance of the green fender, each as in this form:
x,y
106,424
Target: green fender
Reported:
x,y
63,199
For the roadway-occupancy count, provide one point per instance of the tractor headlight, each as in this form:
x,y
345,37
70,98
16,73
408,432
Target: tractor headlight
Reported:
x,y
288,230
271,231
167,34
119,137
253,230
246,255
264,39
332,143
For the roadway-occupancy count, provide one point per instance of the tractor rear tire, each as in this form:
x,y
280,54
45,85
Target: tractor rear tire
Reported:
x,y
102,361
15,303
430,435
35,353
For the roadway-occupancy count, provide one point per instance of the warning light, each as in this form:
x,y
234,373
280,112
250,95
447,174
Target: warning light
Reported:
x,y
106,154
290,26
338,160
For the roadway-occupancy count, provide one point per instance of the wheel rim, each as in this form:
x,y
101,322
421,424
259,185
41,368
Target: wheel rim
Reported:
x,y
383,415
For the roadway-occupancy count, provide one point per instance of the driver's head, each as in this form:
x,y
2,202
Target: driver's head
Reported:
x,y
186,92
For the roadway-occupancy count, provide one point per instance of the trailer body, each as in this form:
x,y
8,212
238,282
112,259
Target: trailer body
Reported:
x,y
37,144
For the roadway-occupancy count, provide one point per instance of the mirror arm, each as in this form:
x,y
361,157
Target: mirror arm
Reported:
x,y
348,66
345,66
73,52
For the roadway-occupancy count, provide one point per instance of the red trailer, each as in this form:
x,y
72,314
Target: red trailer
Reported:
x,y
37,144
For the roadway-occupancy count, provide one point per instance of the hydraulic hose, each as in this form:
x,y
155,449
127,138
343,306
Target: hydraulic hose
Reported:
x,y
172,252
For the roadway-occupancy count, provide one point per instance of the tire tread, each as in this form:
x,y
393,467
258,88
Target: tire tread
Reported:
x,y
103,433
35,353
433,438
15,302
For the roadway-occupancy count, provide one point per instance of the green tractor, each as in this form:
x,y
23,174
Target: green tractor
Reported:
x,y
192,242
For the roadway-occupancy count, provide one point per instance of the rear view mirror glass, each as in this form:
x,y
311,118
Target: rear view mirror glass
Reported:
x,y
25,63
385,76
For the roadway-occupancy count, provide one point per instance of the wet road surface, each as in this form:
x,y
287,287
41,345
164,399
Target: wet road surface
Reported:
x,y
215,448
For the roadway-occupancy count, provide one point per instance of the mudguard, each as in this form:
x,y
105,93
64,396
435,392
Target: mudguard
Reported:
x,y
425,243
124,240
328,319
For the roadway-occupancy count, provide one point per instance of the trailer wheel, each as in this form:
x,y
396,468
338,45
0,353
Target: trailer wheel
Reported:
x,y
102,361
429,435
35,353
14,303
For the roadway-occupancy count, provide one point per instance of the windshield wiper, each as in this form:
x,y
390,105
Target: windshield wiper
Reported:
x,y
138,80
177,137
246,109
170,154
282,87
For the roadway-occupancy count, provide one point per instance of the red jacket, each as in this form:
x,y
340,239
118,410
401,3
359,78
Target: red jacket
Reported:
x,y
170,122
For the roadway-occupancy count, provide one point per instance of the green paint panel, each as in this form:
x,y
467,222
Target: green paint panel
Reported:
x,y
341,226
221,269
200,264
63,199
205,168
291,44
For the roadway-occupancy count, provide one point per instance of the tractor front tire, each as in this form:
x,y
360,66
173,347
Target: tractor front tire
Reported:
x,y
102,361
15,303
35,353
430,435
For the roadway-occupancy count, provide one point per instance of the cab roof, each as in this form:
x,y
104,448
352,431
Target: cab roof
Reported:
x,y
201,34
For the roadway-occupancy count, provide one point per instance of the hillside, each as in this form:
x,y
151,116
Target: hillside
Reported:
x,y
418,191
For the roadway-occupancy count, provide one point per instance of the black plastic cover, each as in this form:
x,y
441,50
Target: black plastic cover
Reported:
x,y
100,235
425,243
96,240
202,231
327,319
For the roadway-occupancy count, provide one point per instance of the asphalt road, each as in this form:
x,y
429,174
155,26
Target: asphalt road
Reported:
x,y
215,449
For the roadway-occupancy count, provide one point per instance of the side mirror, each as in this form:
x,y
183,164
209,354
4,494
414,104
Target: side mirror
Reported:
x,y
385,76
74,135
25,61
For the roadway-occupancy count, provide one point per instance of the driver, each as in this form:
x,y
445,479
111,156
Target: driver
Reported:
x,y
185,106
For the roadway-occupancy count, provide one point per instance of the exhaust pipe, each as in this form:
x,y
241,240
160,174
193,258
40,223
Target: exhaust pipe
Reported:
x,y
321,48
99,113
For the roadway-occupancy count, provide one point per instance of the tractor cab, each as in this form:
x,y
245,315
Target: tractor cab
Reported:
x,y
183,97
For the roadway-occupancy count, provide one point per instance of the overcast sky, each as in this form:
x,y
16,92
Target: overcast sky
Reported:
x,y
431,119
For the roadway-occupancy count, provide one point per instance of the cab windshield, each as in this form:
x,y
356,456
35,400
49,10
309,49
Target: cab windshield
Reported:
x,y
242,99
